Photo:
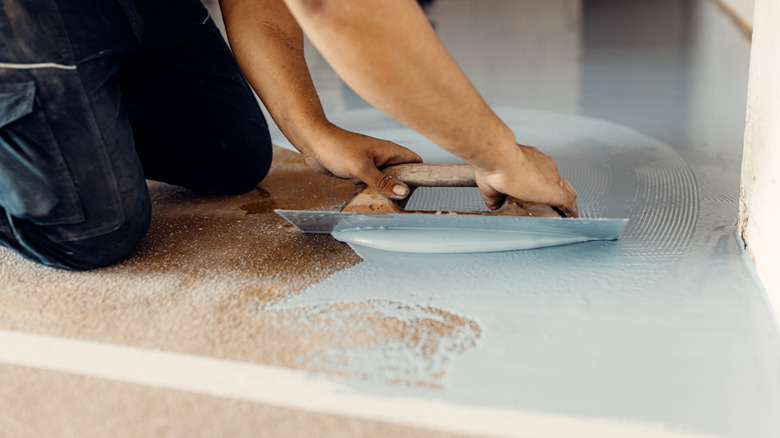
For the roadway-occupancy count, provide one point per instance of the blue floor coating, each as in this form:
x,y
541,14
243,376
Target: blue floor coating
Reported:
x,y
446,199
643,108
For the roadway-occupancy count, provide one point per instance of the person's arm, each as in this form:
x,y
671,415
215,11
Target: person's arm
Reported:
x,y
268,45
389,54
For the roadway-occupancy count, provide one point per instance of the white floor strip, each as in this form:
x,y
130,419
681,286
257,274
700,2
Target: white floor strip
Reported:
x,y
36,65
298,390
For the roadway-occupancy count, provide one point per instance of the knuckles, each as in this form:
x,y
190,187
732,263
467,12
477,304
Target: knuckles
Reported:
x,y
384,183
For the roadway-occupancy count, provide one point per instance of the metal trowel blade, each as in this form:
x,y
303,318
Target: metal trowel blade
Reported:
x,y
325,222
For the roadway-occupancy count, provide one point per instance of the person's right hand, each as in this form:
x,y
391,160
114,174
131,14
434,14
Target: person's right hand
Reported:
x,y
530,176
350,155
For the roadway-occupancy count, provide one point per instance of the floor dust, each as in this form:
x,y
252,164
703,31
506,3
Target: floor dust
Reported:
x,y
666,329
242,235
195,285
383,340
39,403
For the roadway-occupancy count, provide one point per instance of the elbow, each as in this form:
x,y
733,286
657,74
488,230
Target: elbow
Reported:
x,y
313,7
320,10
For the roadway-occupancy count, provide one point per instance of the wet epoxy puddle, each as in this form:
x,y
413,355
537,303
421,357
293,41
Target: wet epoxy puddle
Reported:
x,y
262,206
582,329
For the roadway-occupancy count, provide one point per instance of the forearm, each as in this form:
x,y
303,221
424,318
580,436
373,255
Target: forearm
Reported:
x,y
268,45
388,53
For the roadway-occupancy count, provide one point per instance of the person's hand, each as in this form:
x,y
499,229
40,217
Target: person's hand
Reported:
x,y
528,176
349,155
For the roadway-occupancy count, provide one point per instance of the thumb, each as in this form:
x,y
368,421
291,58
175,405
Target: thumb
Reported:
x,y
384,184
492,197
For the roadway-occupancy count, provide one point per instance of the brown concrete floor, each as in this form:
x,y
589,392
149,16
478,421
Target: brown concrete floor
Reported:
x,y
40,403
196,285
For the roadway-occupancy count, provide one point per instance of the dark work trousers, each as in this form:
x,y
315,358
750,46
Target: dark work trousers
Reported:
x,y
96,96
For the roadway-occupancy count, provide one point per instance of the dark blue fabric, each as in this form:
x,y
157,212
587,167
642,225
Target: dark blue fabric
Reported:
x,y
96,96
16,100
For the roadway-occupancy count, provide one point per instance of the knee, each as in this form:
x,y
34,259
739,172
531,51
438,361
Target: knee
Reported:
x,y
242,170
103,250
251,172
46,246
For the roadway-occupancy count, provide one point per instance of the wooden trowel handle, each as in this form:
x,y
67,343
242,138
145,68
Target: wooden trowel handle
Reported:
x,y
433,175
368,200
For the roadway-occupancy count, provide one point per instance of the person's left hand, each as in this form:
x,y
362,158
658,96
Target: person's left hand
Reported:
x,y
529,175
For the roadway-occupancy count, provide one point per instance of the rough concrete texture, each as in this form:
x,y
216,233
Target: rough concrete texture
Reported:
x,y
47,404
667,330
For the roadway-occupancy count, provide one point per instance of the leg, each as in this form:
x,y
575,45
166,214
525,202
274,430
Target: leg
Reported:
x,y
72,193
195,120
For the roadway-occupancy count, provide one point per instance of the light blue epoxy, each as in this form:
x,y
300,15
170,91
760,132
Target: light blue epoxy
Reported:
x,y
437,241
667,326
658,327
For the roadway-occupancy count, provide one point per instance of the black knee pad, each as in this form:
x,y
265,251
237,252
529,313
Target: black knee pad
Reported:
x,y
238,172
249,172
46,245
103,250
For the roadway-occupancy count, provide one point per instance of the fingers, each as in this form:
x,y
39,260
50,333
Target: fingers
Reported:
x,y
492,197
494,202
388,154
547,188
568,204
571,212
560,192
570,207
383,183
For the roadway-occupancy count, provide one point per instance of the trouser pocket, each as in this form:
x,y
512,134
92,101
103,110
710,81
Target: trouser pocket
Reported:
x,y
35,183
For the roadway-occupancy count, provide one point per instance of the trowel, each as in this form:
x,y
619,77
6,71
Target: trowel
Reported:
x,y
370,219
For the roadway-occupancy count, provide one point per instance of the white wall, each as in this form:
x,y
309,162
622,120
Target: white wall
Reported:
x,y
743,9
760,205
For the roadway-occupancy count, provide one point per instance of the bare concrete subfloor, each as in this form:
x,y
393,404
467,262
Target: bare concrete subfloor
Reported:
x,y
40,403
194,286
662,334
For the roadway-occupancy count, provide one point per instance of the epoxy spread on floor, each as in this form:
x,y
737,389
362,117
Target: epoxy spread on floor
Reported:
x,y
666,329
667,326
571,329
